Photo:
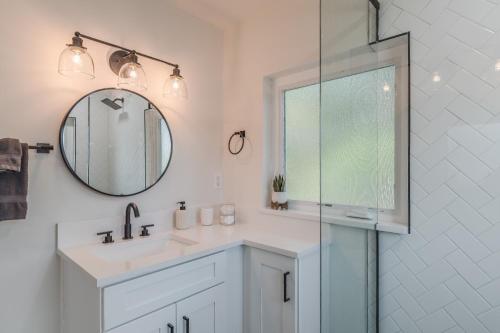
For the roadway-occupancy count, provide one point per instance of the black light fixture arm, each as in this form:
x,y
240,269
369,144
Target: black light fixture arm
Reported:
x,y
80,35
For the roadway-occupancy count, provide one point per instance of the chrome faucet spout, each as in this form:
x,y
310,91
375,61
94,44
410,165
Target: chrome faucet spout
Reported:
x,y
127,233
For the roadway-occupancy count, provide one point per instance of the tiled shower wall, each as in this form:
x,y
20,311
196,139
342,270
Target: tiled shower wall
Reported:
x,y
445,276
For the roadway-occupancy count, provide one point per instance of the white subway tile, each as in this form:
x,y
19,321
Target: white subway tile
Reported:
x,y
470,59
438,127
470,138
470,86
437,151
431,13
408,22
468,269
491,184
491,292
491,319
436,298
491,266
468,217
470,33
438,322
468,164
408,303
467,295
469,191
437,200
490,237
472,247
436,274
436,250
436,104
464,318
475,10
469,111
437,224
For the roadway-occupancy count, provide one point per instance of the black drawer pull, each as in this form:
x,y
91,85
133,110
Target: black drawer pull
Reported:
x,y
170,328
285,288
186,324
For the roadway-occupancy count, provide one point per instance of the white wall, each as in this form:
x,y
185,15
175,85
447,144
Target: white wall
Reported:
x,y
270,43
446,275
34,99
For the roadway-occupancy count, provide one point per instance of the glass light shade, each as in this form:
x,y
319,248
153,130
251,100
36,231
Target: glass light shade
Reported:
x,y
175,86
75,61
132,76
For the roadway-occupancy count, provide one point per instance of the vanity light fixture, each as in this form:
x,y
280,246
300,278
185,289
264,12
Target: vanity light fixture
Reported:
x,y
131,74
76,61
175,85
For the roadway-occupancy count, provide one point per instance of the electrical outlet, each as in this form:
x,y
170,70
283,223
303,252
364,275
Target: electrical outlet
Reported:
x,y
218,181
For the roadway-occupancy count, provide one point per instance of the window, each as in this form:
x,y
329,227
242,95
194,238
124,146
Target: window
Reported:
x,y
359,140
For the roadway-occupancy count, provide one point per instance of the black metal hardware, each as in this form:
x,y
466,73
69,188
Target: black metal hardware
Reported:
x,y
186,323
170,328
242,135
127,233
108,238
42,148
145,231
285,288
77,34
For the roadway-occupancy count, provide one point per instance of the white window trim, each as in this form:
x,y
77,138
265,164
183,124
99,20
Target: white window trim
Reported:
x,y
390,220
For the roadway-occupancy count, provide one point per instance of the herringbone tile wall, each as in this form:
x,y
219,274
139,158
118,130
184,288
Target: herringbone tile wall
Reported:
x,y
445,277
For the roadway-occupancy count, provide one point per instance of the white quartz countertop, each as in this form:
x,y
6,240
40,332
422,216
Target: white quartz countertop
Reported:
x,y
208,240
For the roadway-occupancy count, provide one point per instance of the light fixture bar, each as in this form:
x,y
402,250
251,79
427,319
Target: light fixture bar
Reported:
x,y
77,34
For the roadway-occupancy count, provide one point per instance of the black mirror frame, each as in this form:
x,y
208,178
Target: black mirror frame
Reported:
x,y
73,172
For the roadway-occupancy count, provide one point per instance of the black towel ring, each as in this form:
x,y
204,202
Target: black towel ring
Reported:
x,y
242,135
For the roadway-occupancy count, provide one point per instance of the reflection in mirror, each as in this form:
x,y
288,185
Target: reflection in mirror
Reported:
x,y
116,142
69,141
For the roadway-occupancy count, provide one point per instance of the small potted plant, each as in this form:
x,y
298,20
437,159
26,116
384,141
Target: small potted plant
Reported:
x,y
279,199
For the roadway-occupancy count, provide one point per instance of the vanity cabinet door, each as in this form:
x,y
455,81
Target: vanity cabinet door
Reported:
x,y
203,312
269,293
161,321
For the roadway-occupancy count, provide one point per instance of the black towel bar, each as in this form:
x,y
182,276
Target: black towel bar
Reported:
x,y
42,148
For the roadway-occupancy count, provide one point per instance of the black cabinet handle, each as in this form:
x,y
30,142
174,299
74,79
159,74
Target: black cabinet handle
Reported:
x,y
186,324
285,288
170,328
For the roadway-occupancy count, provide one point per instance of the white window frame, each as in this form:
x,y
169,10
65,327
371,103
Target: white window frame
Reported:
x,y
401,192
298,79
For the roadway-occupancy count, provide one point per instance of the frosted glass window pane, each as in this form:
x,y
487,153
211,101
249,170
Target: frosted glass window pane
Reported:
x,y
358,133
302,143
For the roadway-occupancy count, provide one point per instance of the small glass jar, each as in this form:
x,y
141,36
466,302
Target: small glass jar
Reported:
x,y
227,214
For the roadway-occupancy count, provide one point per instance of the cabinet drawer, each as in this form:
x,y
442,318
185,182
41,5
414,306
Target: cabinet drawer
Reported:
x,y
132,299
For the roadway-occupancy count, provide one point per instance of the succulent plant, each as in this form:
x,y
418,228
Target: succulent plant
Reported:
x,y
279,183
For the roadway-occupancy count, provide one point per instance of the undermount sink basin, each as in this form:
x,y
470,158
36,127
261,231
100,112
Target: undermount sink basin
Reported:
x,y
141,248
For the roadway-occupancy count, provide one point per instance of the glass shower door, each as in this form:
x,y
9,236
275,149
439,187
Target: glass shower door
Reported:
x,y
354,92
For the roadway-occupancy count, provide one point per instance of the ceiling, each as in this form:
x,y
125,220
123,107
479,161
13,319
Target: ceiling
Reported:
x,y
238,11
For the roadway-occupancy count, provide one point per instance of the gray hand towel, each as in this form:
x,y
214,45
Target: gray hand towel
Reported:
x,y
10,155
14,190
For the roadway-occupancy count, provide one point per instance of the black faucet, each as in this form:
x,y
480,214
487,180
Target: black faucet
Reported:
x,y
127,234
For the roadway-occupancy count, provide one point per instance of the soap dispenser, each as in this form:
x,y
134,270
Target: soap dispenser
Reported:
x,y
181,218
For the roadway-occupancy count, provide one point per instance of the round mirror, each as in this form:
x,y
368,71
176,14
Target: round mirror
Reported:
x,y
116,142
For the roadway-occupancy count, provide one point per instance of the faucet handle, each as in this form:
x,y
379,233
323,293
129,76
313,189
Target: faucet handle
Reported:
x,y
145,231
108,238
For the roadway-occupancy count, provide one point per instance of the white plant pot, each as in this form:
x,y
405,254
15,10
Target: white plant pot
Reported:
x,y
279,197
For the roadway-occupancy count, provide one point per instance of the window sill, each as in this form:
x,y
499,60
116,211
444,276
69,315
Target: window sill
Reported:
x,y
390,227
